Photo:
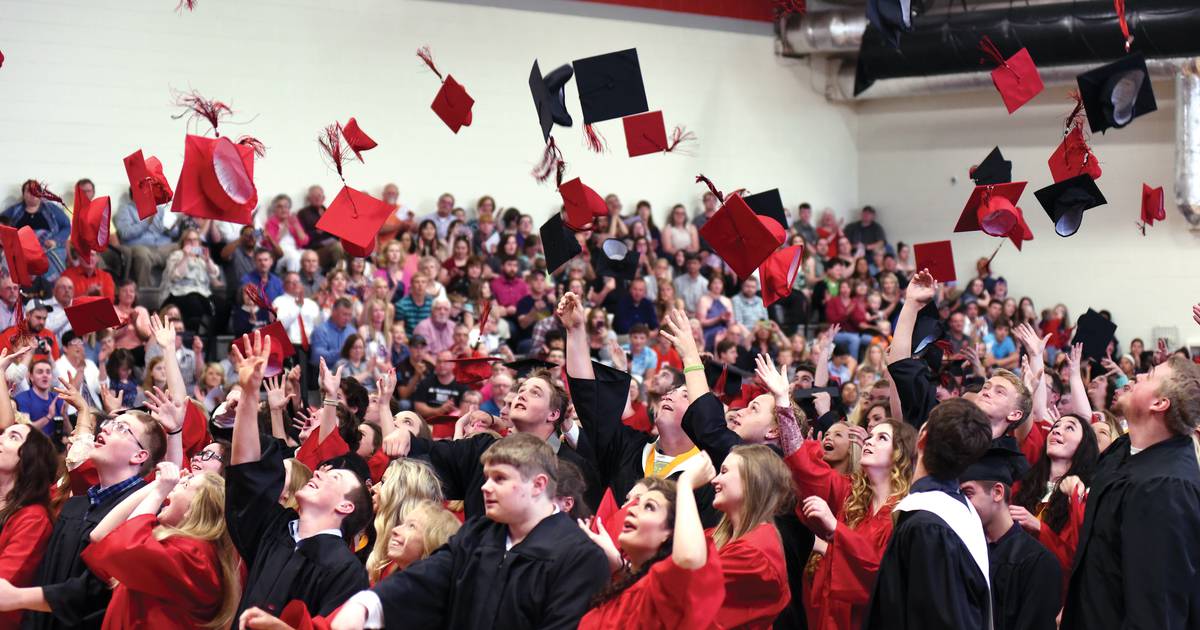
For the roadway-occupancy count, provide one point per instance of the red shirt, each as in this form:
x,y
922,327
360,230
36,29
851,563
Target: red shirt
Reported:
x,y
640,420
377,464
99,283
10,333
667,596
1035,442
22,542
169,583
756,585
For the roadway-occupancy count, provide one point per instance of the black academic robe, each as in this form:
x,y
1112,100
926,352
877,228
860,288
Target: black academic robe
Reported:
x,y
927,577
1026,583
77,597
1138,558
458,466
471,583
618,450
914,385
704,423
319,570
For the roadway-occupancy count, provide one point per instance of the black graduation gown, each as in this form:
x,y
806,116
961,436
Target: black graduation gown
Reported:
x,y
704,422
618,450
320,570
1026,583
927,579
915,388
457,465
1139,548
546,581
77,597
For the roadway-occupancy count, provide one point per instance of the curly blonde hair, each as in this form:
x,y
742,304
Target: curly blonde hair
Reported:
x,y
904,462
406,483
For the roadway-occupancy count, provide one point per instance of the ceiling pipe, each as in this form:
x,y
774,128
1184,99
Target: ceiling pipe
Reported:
x,y
1187,142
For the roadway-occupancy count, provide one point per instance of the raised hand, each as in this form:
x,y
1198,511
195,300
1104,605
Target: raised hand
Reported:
x,y
250,366
276,396
8,358
619,359
822,402
776,381
259,619
111,401
678,330
1075,357
331,382
699,476
68,390
166,476
819,517
858,435
305,423
386,383
166,410
825,340
921,288
162,332
1161,354
570,311
397,443
600,537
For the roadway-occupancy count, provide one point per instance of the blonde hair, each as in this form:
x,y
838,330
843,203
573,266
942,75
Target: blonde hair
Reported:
x,y
854,453
1024,398
205,520
406,483
368,313
440,525
904,462
767,487
301,473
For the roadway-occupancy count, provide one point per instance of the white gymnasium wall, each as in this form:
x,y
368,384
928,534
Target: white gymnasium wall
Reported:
x,y
913,160
88,81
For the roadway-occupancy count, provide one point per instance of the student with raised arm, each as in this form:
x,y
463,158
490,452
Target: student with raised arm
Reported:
x,y
167,549
524,565
1138,561
673,578
625,455
299,554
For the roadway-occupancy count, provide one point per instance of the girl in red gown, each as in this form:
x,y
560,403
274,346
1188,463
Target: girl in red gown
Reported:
x,y
28,465
753,487
172,569
673,578
405,483
854,516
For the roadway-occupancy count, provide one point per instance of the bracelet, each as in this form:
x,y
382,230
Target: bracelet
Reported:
x,y
177,431
693,368
328,401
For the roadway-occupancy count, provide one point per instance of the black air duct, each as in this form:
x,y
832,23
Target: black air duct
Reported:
x,y
1055,34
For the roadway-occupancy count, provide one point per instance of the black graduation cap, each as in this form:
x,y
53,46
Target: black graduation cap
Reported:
x,y
614,259
524,366
1065,202
549,97
1115,94
1000,463
1094,331
891,17
558,243
610,86
994,169
732,387
768,204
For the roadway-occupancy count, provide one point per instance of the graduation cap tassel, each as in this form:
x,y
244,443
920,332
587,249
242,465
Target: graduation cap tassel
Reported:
x,y
551,164
990,49
594,140
330,142
426,55
711,187
190,5
1077,115
679,135
786,8
255,144
39,190
1119,6
194,104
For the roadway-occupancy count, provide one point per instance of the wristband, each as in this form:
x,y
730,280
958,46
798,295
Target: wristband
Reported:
x,y
329,401
177,431
693,368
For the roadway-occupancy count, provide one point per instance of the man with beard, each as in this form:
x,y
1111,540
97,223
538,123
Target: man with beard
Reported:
x,y
32,330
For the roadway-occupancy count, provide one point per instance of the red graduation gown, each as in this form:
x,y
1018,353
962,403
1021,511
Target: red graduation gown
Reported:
x,y
22,542
1063,543
1035,442
756,580
667,597
377,463
172,583
845,576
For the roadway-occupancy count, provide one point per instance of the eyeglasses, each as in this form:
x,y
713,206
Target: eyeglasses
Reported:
x,y
120,426
205,456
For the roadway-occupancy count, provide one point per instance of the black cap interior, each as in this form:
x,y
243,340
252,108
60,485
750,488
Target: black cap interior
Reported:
x,y
1116,93
1065,202
558,242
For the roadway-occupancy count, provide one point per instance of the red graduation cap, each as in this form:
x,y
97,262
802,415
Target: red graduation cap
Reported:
x,y
281,346
1152,205
442,427
217,180
938,258
778,273
1020,232
147,185
92,313
748,393
581,204
355,251
355,217
471,370
453,105
195,430
645,133
1016,78
991,208
90,223
357,139
24,254
741,238
1073,157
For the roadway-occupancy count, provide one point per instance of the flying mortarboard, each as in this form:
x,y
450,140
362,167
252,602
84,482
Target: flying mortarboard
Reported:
x,y
616,260
217,180
580,204
549,97
646,133
1116,93
1073,157
724,380
471,370
994,169
281,346
769,204
92,313
452,103
24,254
355,217
90,223
741,238
442,426
1016,78
148,187
524,366
938,258
991,209
1003,464
890,18
1066,201
610,86
778,273
1152,205
558,243
1095,332
357,139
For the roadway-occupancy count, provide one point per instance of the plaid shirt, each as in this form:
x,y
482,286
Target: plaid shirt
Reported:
x,y
98,495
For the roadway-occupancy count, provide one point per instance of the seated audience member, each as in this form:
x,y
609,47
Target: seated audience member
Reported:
x,y
190,278
440,392
62,296
146,243
438,328
633,307
748,309
39,401
642,359
866,231
501,383
470,582
285,234
48,221
331,335
416,306
86,279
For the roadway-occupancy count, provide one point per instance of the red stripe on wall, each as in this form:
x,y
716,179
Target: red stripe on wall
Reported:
x,y
756,10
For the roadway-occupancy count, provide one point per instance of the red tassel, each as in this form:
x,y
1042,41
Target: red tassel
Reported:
x,y
785,8
196,105
427,56
990,49
190,5
679,135
39,190
330,141
713,189
259,148
552,163
1077,115
1119,6
594,140
19,315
